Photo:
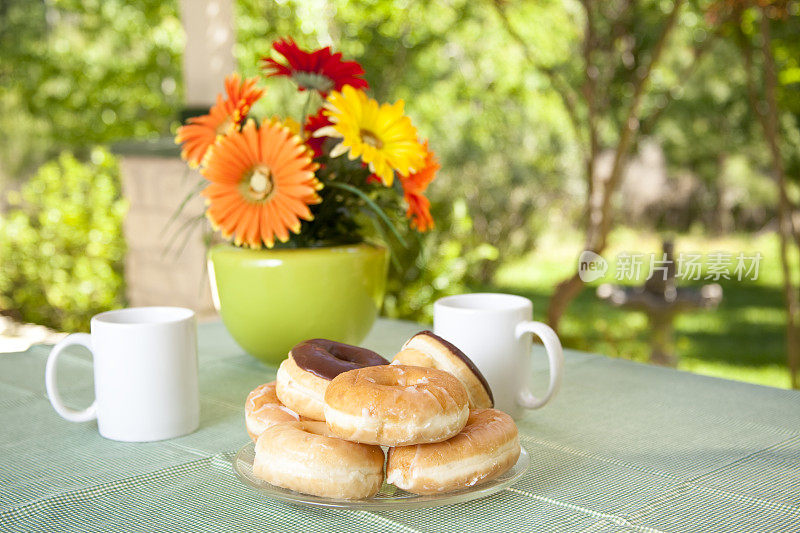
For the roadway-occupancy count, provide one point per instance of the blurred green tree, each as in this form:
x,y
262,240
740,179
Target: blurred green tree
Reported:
x,y
628,61
765,59
717,147
76,73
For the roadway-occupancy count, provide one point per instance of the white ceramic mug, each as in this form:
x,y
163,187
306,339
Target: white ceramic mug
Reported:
x,y
145,374
494,330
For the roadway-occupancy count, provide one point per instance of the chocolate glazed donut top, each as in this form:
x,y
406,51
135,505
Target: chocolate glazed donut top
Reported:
x,y
327,359
461,355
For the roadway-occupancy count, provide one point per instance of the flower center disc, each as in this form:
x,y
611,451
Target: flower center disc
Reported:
x,y
260,183
371,139
313,80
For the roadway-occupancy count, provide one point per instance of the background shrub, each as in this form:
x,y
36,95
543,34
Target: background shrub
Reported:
x,y
61,243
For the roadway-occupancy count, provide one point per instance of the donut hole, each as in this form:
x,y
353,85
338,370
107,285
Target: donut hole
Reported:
x,y
409,379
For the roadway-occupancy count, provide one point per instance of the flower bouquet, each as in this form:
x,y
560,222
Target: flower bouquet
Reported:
x,y
303,195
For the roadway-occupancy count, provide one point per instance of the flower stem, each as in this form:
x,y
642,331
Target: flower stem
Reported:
x,y
199,186
372,205
305,110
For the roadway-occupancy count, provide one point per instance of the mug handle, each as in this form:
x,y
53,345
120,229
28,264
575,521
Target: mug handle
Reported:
x,y
90,413
555,355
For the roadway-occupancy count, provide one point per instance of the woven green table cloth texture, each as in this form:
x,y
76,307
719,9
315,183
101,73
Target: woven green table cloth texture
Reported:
x,y
623,447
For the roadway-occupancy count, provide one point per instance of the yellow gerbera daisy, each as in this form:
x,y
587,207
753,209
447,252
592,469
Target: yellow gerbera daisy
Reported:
x,y
381,135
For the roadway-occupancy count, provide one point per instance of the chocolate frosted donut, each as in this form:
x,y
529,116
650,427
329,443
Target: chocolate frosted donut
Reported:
x,y
311,365
427,349
327,359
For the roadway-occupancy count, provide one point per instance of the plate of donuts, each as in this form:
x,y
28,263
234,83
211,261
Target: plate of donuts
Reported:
x,y
343,427
389,497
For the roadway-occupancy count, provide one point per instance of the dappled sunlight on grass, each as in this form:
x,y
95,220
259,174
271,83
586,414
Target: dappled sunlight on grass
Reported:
x,y
772,375
743,339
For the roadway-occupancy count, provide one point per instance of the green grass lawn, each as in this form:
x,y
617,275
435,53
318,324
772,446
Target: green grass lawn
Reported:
x,y
743,339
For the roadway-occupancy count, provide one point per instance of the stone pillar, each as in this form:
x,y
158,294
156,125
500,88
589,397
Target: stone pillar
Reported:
x,y
159,269
156,273
208,55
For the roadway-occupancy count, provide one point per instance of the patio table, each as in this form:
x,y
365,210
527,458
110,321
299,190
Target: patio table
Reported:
x,y
623,447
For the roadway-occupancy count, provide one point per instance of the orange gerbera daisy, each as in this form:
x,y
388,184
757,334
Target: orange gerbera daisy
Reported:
x,y
414,186
262,184
226,115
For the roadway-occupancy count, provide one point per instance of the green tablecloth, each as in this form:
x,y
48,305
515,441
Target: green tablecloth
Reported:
x,y
624,447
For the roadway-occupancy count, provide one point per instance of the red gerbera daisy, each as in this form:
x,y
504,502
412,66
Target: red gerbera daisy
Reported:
x,y
372,178
313,123
414,185
321,70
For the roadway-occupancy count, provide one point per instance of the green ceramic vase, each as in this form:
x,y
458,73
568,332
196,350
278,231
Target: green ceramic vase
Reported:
x,y
270,300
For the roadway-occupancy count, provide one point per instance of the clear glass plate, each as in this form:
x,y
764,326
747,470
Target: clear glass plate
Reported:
x,y
388,498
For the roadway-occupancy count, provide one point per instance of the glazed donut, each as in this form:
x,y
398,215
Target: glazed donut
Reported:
x,y
306,457
427,349
311,365
396,405
486,447
263,409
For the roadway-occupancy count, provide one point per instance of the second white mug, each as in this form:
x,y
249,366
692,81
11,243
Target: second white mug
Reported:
x,y
494,330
